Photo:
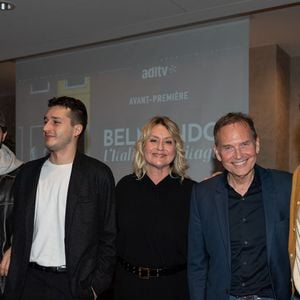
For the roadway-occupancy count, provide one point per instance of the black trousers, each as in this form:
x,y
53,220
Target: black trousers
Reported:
x,y
41,285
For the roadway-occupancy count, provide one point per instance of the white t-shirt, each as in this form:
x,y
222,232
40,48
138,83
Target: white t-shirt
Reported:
x,y
48,247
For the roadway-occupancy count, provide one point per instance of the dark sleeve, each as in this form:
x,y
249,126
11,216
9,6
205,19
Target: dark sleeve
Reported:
x,y
197,256
9,208
107,249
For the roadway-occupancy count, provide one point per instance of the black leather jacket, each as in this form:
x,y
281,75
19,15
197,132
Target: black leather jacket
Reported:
x,y
6,207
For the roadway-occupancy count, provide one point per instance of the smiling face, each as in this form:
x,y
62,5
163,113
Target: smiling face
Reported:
x,y
59,132
159,149
237,149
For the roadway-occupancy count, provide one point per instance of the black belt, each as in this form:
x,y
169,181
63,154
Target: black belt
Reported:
x,y
148,273
34,265
296,294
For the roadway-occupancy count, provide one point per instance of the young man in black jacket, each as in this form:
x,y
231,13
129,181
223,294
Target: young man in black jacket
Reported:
x,y
64,216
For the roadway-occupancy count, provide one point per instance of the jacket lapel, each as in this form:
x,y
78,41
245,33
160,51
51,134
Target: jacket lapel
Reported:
x,y
221,203
268,198
74,190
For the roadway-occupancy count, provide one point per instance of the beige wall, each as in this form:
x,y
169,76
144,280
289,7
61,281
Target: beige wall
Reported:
x,y
269,104
295,113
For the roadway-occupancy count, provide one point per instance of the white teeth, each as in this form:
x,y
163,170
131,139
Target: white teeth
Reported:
x,y
239,163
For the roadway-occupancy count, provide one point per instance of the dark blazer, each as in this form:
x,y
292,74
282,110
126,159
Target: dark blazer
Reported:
x,y
209,257
90,228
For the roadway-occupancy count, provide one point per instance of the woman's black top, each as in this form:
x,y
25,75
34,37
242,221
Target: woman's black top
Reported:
x,y
153,224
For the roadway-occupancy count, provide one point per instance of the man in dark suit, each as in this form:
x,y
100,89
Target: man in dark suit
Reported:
x,y
239,221
64,228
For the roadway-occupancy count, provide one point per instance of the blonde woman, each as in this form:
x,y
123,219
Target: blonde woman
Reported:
x,y
152,213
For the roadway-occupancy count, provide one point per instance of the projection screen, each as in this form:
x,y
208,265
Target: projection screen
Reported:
x,y
193,76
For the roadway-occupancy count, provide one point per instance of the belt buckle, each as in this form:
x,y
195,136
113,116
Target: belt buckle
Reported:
x,y
60,269
250,297
144,273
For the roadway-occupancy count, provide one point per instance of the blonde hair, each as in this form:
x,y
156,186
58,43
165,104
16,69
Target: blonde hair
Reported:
x,y
179,165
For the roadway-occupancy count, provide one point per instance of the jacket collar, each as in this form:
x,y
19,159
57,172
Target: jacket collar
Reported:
x,y
268,198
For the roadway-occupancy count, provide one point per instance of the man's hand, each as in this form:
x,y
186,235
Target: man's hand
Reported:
x,y
4,265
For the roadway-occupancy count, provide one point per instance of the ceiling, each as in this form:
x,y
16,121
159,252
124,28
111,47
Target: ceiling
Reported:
x,y
281,27
37,27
